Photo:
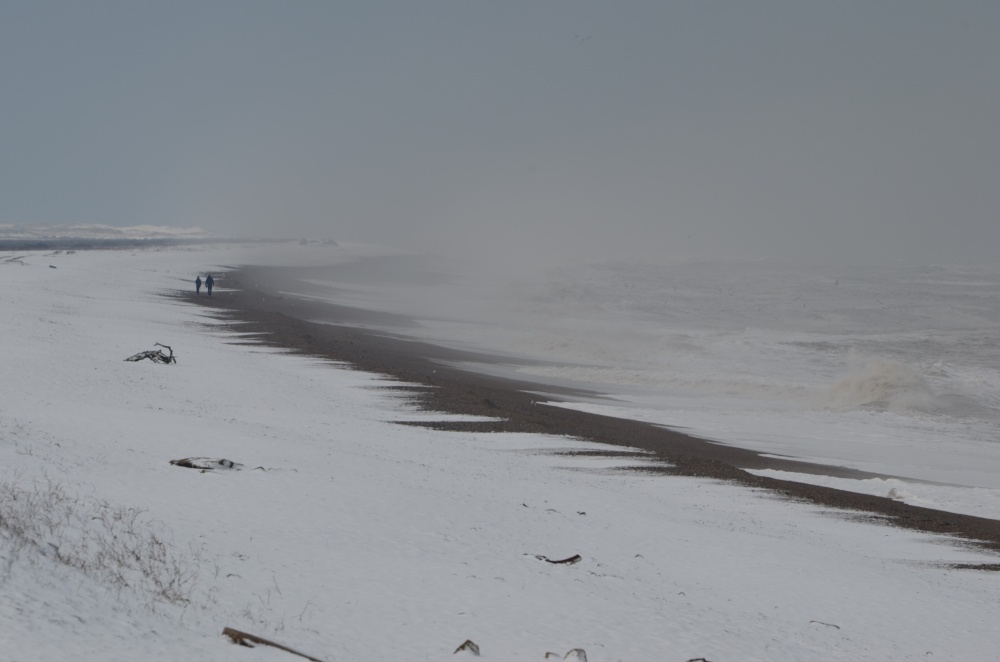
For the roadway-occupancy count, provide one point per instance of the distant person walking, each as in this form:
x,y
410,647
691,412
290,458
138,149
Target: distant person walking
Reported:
x,y
197,285
209,282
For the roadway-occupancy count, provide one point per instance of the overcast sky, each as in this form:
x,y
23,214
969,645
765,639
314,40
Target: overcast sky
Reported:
x,y
854,130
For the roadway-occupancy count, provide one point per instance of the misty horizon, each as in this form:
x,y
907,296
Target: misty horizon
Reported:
x,y
843,132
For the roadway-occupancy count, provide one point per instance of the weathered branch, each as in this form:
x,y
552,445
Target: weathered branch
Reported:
x,y
829,625
155,355
248,640
468,645
576,558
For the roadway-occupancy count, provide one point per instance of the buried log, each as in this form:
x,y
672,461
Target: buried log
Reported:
x,y
155,355
248,640
206,464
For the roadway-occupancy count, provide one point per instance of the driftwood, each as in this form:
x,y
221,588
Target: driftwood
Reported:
x,y
829,625
206,464
155,355
248,640
576,558
468,645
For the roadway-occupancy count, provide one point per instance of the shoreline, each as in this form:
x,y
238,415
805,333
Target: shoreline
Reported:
x,y
430,379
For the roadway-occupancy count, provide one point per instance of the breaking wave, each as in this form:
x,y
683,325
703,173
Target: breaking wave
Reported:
x,y
883,385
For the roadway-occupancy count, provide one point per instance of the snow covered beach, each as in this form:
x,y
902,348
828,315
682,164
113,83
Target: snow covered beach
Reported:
x,y
285,308
348,536
890,370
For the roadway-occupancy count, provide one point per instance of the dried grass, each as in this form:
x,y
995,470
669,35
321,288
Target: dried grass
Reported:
x,y
119,547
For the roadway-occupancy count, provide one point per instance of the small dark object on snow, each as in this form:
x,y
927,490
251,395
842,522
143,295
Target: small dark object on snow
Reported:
x,y
155,355
576,558
468,645
829,625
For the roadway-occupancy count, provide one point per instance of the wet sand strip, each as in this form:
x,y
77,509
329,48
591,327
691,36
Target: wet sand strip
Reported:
x,y
430,379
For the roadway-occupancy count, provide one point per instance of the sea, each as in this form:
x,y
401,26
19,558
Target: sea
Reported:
x,y
892,370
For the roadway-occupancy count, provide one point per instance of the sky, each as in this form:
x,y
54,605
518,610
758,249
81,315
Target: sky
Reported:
x,y
857,131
